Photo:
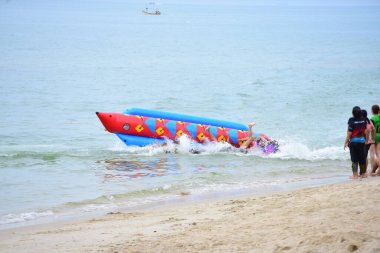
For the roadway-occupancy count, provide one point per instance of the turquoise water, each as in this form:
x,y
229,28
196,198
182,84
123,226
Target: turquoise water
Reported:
x,y
295,67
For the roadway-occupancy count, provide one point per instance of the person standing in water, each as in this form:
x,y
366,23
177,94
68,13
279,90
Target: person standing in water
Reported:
x,y
376,122
355,140
370,142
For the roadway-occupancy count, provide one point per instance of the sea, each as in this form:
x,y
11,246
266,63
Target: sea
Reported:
x,y
295,67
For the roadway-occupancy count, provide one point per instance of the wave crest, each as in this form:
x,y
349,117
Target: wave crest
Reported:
x,y
293,149
22,217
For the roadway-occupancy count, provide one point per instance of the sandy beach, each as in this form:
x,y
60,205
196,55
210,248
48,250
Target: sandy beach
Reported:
x,y
89,90
333,218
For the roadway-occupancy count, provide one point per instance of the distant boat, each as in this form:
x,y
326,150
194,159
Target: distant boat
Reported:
x,y
151,13
151,9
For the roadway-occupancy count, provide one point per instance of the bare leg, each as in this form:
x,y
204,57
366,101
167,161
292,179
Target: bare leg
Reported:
x,y
366,159
375,166
372,159
247,142
377,156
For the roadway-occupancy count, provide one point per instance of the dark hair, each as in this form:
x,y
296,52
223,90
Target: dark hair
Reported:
x,y
375,109
364,115
357,112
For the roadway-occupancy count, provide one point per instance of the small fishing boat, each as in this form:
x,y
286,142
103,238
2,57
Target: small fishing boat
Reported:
x,y
151,9
151,13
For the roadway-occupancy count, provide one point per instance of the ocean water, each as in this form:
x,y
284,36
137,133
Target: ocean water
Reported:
x,y
295,67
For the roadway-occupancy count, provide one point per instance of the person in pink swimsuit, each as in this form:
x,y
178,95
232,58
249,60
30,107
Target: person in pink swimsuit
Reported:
x,y
370,144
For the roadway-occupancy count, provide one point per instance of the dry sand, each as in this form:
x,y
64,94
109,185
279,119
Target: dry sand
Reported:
x,y
333,218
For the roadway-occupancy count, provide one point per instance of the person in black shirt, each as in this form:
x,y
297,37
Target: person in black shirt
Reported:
x,y
355,140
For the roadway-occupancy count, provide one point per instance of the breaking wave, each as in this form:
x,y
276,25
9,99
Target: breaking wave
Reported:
x,y
289,149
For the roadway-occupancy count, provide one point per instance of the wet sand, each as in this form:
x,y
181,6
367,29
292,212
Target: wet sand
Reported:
x,y
342,217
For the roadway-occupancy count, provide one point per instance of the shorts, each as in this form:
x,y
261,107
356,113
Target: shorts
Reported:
x,y
358,152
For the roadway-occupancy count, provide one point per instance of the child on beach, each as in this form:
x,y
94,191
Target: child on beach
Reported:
x,y
376,123
355,140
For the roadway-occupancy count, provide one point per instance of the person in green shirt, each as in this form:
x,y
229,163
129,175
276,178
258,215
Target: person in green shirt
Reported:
x,y
376,122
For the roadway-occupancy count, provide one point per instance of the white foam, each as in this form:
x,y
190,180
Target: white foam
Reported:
x,y
289,148
295,149
167,186
98,207
22,217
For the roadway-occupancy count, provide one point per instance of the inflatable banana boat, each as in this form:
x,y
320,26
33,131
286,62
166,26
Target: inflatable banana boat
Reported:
x,y
142,127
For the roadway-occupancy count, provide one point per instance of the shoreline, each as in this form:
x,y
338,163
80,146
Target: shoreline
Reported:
x,y
317,219
185,197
